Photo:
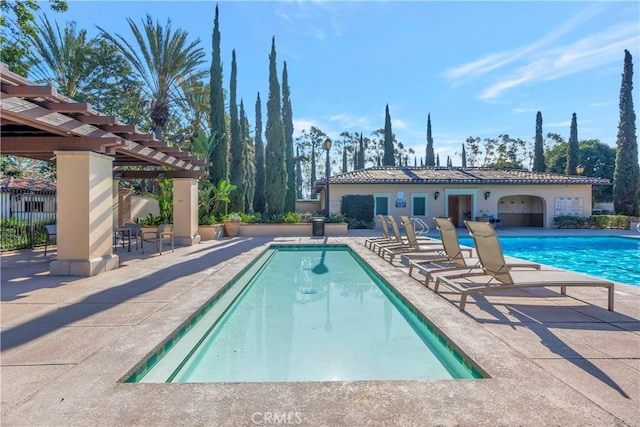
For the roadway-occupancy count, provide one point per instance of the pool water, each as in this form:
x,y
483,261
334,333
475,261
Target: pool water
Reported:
x,y
612,258
314,313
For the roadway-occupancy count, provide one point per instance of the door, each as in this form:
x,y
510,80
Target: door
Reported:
x,y
454,212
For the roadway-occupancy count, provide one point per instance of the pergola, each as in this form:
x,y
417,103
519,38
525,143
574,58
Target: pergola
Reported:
x,y
90,150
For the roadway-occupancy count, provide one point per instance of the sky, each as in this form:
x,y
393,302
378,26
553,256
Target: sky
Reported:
x,y
479,68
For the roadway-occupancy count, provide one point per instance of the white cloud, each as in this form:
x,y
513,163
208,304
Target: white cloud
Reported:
x,y
541,61
524,110
566,124
590,52
350,121
302,124
494,61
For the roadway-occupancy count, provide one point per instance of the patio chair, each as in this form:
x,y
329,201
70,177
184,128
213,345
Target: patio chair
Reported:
x,y
398,241
496,275
164,232
52,236
453,259
431,247
386,237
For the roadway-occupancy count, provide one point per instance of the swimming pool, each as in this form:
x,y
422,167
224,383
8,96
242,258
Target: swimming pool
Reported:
x,y
306,313
612,258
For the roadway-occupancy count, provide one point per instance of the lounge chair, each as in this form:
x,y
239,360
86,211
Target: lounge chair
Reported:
x,y
428,246
496,275
386,237
453,260
164,232
395,240
398,241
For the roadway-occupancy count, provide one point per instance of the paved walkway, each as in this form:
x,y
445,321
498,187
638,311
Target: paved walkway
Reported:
x,y
68,342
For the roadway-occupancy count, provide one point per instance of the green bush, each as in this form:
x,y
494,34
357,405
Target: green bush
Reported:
x,y
336,217
620,222
250,218
359,207
292,217
359,224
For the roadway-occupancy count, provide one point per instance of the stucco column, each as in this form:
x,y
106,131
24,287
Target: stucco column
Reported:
x,y
185,211
115,202
84,214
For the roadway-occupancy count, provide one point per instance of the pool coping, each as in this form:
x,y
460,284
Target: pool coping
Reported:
x,y
67,397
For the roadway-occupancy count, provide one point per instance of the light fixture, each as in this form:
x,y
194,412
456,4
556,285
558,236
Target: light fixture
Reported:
x,y
487,194
117,175
436,195
327,146
580,169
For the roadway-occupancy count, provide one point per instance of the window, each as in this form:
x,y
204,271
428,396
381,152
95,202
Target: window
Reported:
x,y
382,204
419,204
30,206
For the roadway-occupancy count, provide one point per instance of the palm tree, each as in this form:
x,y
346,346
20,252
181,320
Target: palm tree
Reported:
x,y
163,59
62,58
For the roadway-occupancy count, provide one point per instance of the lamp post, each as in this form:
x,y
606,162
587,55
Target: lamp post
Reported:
x,y
327,146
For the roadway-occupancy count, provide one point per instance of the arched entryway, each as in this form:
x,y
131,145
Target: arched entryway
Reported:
x,y
521,211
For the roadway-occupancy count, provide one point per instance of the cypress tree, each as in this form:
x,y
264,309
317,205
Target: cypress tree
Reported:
x,y
298,174
429,158
538,148
258,198
248,153
625,176
275,190
389,159
287,121
361,153
236,146
437,159
449,162
344,159
218,146
573,155
464,157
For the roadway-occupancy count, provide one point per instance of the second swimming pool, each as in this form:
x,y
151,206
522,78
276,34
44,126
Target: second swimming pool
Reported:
x,y
307,313
612,258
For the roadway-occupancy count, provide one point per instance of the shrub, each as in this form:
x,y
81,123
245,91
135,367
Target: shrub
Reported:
x,y
250,218
359,224
597,221
336,218
359,207
620,222
291,217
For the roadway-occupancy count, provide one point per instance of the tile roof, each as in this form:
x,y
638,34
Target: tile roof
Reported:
x,y
444,175
37,185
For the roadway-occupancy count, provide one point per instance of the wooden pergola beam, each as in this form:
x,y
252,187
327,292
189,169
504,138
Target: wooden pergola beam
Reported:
x,y
159,174
98,120
69,107
39,145
48,92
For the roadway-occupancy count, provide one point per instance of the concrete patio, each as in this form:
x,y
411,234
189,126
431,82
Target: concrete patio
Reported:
x,y
68,342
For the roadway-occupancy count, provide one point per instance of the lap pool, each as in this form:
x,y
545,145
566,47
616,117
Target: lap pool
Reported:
x,y
306,313
612,258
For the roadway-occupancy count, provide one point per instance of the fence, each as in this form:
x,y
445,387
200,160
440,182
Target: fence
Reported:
x,y
23,215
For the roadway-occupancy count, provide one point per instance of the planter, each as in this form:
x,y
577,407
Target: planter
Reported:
x,y
231,227
211,232
291,230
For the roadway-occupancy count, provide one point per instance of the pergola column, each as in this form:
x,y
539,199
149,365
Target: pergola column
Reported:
x,y
185,211
84,214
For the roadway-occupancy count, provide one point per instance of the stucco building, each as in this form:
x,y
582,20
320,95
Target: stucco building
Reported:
x,y
518,198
